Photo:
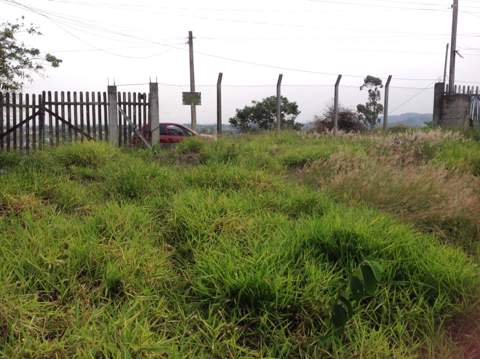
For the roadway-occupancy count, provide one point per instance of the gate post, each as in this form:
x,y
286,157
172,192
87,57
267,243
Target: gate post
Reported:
x,y
112,115
154,115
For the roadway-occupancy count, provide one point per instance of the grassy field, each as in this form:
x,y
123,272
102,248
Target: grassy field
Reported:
x,y
263,246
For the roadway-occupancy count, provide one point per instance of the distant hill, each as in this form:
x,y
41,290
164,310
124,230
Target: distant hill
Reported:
x,y
410,119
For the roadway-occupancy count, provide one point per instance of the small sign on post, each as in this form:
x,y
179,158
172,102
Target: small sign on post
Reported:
x,y
192,98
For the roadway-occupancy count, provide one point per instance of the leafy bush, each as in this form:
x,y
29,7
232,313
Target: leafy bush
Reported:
x,y
348,121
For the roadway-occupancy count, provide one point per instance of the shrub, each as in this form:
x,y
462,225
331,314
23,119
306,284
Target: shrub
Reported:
x,y
348,121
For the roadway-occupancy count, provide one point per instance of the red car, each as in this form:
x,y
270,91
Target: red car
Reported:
x,y
171,133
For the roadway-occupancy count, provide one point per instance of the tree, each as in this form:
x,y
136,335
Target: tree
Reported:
x,y
18,61
369,112
263,115
348,120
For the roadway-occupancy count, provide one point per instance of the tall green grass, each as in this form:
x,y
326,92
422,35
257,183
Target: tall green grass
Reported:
x,y
216,250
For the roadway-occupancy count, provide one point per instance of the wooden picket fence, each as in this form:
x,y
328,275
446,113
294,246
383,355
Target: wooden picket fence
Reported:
x,y
32,121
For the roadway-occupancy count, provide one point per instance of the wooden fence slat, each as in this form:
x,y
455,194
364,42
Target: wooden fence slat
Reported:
x,y
50,119
99,134
21,115
69,114
145,111
7,118
134,109
129,113
87,115
138,112
120,120
105,115
14,120
125,122
75,114
1,119
54,108
62,115
82,124
27,126
42,139
34,123
94,117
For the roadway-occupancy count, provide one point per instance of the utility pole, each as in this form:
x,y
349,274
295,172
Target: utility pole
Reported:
x,y
385,107
446,65
453,50
193,108
279,102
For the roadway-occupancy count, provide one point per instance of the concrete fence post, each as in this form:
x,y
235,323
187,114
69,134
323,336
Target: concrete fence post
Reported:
x,y
219,103
335,105
439,91
279,102
154,113
113,115
386,103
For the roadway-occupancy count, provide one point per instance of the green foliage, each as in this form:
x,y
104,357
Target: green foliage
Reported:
x,y
363,284
18,61
191,145
263,115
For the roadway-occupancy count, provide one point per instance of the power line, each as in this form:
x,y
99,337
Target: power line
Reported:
x,y
338,2
42,13
253,22
413,97
118,6
264,85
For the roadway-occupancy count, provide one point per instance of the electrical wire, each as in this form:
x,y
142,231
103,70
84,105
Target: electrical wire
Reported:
x,y
253,22
429,86
39,12
265,85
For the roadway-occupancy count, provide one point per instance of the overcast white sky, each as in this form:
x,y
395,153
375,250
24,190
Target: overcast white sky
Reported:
x,y
132,41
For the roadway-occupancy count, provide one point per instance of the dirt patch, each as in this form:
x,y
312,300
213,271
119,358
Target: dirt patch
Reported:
x,y
465,331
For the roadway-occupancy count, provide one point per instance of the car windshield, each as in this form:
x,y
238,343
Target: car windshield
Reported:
x,y
175,130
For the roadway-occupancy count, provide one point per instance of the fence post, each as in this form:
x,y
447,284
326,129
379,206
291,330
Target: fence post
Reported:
x,y
279,102
219,103
112,115
385,108
335,105
439,91
154,113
